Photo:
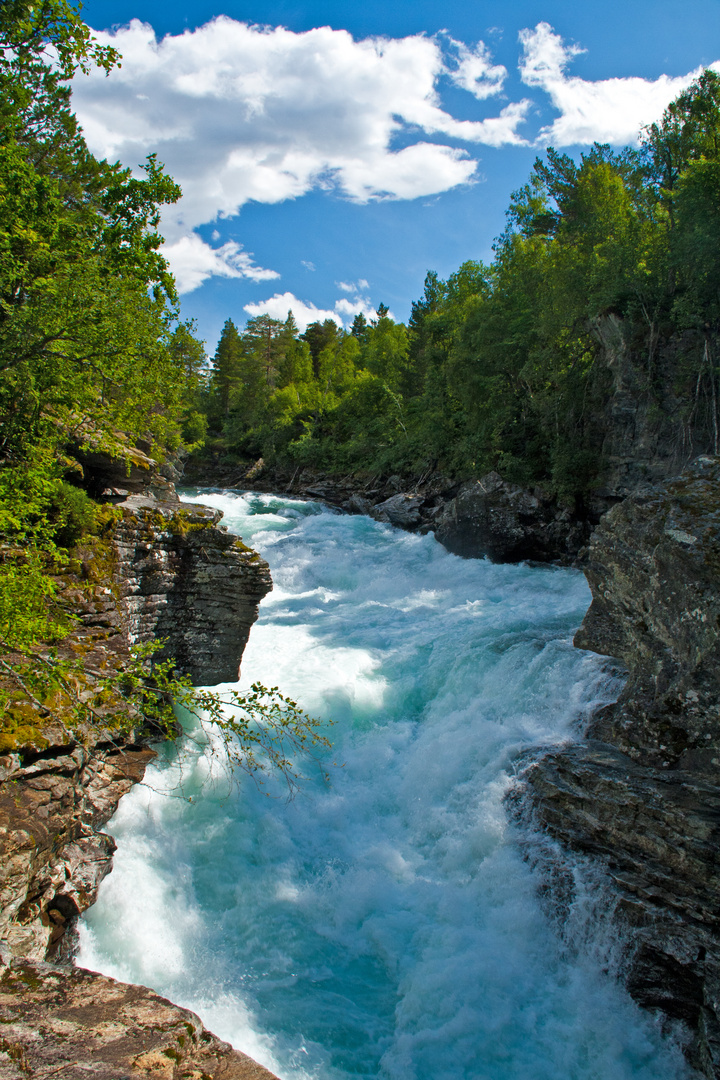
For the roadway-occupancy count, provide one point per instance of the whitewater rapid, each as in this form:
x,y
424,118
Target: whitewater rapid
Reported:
x,y
385,926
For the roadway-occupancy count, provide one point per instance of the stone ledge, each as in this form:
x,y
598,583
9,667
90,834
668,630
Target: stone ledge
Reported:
x,y
76,1023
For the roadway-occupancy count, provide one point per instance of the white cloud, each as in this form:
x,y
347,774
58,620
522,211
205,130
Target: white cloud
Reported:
x,y
476,72
192,261
606,111
354,287
343,313
239,113
308,265
279,305
359,305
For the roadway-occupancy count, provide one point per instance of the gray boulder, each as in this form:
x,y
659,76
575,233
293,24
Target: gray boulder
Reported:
x,y
493,517
402,510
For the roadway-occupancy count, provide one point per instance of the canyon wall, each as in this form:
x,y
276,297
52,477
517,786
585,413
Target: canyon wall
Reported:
x,y
642,791
161,570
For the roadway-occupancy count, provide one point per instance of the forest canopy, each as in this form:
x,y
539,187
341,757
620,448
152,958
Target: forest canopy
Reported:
x,y
498,366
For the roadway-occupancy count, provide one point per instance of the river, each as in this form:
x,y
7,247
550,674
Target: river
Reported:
x,y
387,925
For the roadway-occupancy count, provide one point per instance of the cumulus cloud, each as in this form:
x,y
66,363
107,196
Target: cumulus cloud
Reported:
x,y
475,71
359,305
343,313
305,313
606,111
239,112
192,261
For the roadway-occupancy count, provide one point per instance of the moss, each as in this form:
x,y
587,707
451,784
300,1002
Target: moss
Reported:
x,y
180,524
21,736
238,545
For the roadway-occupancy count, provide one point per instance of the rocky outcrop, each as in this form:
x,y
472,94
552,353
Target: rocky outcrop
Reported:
x,y
73,1023
661,409
182,578
643,792
491,517
53,802
403,510
165,571
477,518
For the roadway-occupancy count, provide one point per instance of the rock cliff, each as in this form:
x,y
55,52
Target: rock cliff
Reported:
x,y
162,570
661,407
491,517
642,792
181,577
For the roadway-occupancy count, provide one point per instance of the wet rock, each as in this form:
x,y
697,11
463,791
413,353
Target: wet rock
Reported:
x,y
54,861
494,518
72,1022
643,793
402,510
356,504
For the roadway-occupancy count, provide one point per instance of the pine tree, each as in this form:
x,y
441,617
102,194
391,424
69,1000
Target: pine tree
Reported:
x,y
227,366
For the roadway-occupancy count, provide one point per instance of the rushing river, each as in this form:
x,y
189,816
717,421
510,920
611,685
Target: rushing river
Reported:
x,y
385,926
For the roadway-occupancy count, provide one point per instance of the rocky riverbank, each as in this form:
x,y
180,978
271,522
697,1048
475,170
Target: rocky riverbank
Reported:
x,y
642,792
161,570
473,518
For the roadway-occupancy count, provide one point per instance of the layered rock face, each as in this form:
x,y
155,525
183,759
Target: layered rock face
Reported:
x,y
171,572
177,576
183,578
643,792
657,418
74,1023
52,804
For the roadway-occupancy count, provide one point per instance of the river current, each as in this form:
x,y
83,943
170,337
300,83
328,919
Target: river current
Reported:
x,y
384,926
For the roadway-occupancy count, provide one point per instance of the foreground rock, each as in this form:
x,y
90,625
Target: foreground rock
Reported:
x,y
165,571
75,1023
643,793
53,857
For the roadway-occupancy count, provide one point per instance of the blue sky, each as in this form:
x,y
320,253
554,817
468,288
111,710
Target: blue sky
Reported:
x,y
330,153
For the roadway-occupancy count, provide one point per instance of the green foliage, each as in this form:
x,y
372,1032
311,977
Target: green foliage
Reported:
x,y
92,358
27,592
259,732
497,367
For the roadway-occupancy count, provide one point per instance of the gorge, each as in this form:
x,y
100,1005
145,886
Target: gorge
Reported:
x,y
403,888
388,926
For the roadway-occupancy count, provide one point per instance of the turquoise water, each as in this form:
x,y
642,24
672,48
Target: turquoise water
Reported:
x,y
384,926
